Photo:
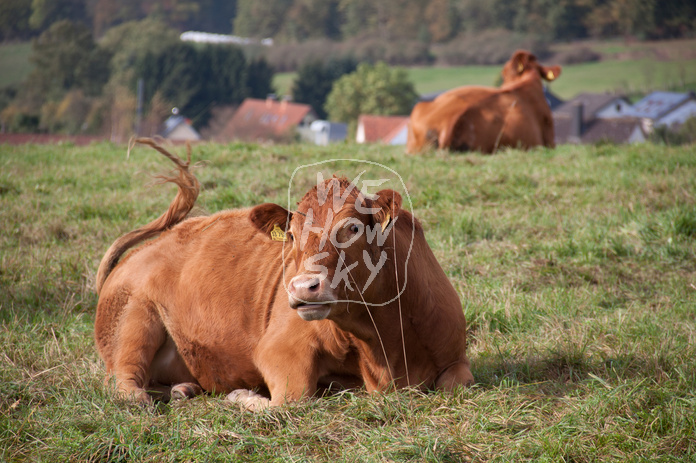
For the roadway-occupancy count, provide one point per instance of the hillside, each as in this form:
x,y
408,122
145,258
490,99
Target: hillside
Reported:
x,y
628,68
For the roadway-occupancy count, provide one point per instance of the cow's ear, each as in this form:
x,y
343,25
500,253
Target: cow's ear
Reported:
x,y
550,72
521,59
389,204
266,216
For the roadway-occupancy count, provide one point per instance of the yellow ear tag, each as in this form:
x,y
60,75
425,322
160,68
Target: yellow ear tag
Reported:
x,y
386,221
550,75
277,234
520,67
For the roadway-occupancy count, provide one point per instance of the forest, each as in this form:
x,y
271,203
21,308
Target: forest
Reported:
x,y
433,21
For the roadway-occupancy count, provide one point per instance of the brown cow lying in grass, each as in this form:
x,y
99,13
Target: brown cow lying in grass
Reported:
x,y
486,118
212,303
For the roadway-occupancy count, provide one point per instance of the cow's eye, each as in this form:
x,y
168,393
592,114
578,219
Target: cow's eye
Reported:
x,y
354,228
290,236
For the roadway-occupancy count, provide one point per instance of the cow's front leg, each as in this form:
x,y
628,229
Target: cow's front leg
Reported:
x,y
289,368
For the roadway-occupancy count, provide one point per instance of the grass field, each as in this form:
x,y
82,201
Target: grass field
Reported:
x,y
625,76
576,270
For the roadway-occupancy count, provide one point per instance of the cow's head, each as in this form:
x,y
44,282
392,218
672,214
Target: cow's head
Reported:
x,y
336,250
522,62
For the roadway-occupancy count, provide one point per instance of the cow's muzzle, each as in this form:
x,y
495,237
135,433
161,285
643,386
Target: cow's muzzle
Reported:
x,y
311,296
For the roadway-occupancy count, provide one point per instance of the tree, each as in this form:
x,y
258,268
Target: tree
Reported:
x,y
14,19
174,72
215,16
130,42
196,79
315,79
308,19
371,89
46,12
107,13
441,19
65,57
260,19
259,78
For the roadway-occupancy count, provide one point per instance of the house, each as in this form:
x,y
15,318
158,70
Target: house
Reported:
x,y
551,98
670,109
591,117
324,132
267,120
179,128
596,106
390,130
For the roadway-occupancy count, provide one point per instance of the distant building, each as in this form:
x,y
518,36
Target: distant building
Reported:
x,y
551,98
592,117
390,130
670,109
208,37
324,133
267,120
179,128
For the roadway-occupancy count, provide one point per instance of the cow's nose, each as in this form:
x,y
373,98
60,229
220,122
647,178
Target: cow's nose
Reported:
x,y
308,288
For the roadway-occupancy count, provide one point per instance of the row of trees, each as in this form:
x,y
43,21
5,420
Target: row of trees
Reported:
x,y
22,19
79,85
429,21
441,20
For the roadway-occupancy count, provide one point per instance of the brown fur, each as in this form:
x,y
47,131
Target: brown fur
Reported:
x,y
485,118
205,305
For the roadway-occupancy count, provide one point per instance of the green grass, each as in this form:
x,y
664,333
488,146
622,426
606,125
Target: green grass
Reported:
x,y
626,76
575,267
14,62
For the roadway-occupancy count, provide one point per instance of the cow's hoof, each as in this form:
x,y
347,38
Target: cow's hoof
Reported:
x,y
185,391
249,400
137,396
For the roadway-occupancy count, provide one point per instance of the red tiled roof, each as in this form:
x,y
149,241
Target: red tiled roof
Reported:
x,y
381,128
265,119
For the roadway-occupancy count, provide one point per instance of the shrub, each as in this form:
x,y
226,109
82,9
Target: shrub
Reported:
x,y
371,89
576,55
486,48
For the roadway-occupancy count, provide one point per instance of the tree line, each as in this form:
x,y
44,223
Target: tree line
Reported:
x,y
428,21
79,85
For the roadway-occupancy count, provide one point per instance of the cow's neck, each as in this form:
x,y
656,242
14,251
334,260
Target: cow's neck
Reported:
x,y
530,80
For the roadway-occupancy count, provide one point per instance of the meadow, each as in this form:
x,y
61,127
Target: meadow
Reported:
x,y
630,77
576,269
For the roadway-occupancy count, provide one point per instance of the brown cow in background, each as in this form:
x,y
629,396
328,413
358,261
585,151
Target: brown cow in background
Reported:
x,y
485,118
234,302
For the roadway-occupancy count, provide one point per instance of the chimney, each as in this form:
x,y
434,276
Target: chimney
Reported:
x,y
270,98
284,103
576,128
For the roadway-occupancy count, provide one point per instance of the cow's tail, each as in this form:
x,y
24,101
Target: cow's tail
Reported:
x,y
180,206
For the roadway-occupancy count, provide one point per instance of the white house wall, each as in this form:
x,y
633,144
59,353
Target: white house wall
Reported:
x,y
636,136
400,137
183,132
